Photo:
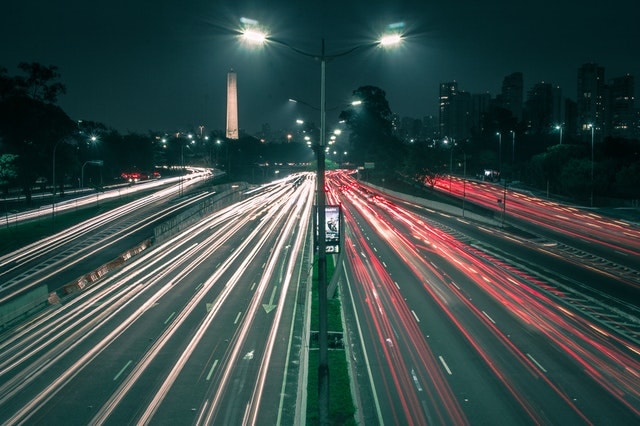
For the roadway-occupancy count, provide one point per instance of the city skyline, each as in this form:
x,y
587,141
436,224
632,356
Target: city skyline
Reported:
x,y
136,68
605,104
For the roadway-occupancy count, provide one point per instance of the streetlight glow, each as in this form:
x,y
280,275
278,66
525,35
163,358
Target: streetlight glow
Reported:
x,y
390,40
559,127
254,36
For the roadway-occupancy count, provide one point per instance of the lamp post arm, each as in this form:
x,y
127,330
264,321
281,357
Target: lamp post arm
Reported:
x,y
323,56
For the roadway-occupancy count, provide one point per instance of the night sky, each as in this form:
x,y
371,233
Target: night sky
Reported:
x,y
161,65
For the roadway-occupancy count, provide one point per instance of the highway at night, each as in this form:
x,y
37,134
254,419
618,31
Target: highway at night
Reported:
x,y
449,319
452,321
61,258
185,333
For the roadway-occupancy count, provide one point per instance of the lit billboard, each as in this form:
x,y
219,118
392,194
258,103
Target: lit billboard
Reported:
x,y
332,228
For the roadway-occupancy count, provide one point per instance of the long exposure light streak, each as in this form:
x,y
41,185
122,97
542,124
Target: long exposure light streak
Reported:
x,y
107,310
605,357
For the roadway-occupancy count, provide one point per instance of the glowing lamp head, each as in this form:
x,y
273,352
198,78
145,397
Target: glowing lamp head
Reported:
x,y
390,40
254,36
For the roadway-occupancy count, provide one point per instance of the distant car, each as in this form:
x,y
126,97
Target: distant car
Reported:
x,y
134,176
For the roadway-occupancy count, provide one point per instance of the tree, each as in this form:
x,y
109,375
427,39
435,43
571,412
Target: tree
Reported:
x,y
40,84
8,170
31,126
371,128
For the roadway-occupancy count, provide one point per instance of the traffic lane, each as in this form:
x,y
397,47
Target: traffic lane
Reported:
x,y
546,356
84,310
570,409
478,390
571,267
256,248
576,338
100,377
253,379
280,400
549,234
407,377
563,219
61,259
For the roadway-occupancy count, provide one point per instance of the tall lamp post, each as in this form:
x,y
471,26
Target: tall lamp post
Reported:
x,y
453,144
559,128
499,154
464,181
53,180
513,146
592,127
254,35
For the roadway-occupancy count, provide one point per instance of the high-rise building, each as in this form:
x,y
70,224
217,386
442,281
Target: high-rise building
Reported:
x,y
542,108
455,111
620,107
512,94
480,106
590,99
429,128
570,118
232,105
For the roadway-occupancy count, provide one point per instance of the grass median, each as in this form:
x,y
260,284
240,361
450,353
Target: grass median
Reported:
x,y
341,407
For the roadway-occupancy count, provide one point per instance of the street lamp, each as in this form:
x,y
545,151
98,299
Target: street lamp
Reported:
x,y
254,35
499,154
559,128
53,180
453,144
592,127
513,146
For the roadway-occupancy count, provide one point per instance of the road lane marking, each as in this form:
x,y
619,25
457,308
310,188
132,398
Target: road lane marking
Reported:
x,y
237,317
444,364
213,367
169,317
415,315
536,363
268,307
122,370
487,315
415,380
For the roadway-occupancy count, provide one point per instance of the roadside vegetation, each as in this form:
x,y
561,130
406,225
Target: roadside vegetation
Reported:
x,y
341,406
